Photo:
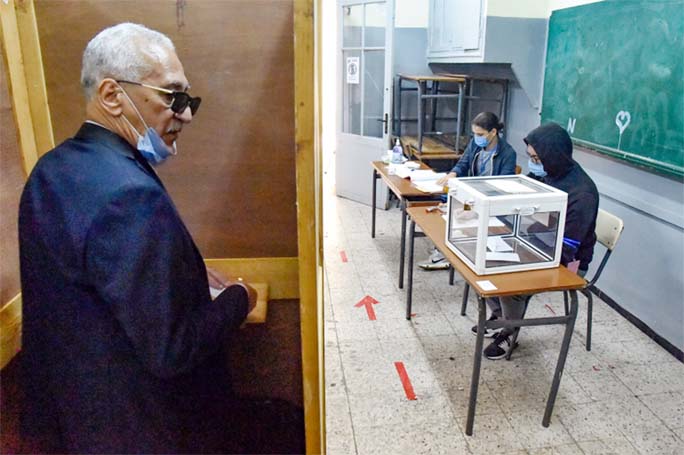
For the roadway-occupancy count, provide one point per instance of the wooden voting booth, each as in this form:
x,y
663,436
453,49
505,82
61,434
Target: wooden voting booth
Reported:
x,y
245,179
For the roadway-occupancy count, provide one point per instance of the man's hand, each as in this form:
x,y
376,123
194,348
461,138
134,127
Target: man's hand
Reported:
x,y
251,295
446,178
217,280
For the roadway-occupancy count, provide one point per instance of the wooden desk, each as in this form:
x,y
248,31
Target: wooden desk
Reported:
x,y
407,193
528,282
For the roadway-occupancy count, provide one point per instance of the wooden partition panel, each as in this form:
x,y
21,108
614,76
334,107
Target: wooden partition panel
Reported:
x,y
11,183
234,177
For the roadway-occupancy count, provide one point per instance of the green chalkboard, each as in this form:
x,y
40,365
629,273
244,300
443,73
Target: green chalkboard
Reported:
x,y
615,79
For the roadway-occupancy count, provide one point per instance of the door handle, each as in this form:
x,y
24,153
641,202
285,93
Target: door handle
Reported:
x,y
385,121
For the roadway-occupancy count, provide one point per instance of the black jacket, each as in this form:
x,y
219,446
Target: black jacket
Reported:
x,y
554,148
121,341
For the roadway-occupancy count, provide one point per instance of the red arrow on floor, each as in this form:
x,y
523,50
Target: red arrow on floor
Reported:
x,y
368,302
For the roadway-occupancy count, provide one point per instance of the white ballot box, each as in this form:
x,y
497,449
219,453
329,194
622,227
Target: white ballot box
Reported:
x,y
505,223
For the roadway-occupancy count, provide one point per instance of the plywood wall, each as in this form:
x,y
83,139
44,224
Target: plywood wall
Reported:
x,y
234,177
11,183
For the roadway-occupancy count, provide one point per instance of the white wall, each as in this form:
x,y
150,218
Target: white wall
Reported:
x,y
560,4
518,8
411,13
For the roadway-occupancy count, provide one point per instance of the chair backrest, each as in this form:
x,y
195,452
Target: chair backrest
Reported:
x,y
518,169
608,229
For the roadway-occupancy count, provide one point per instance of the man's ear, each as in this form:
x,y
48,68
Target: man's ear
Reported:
x,y
110,97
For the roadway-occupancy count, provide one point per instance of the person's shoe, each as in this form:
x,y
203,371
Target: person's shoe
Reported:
x,y
437,261
489,333
438,265
436,255
499,347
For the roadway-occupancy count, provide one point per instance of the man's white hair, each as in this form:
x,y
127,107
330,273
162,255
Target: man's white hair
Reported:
x,y
122,52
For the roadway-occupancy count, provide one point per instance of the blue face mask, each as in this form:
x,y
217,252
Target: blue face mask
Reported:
x,y
536,168
480,141
150,144
153,148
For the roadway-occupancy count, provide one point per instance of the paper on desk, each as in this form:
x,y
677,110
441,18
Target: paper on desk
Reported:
x,y
506,257
429,187
498,244
473,223
486,285
426,174
509,186
402,171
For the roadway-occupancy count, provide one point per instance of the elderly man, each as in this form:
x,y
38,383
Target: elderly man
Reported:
x,y
122,342
549,148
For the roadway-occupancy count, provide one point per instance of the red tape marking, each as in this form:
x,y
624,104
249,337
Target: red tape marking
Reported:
x,y
405,381
371,312
343,255
368,302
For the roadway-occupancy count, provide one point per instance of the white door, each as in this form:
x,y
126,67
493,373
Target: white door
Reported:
x,y
364,95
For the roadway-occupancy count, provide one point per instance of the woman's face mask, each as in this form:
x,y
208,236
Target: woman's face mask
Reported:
x,y
482,137
481,141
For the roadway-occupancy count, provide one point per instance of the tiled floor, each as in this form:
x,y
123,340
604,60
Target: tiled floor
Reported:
x,y
626,396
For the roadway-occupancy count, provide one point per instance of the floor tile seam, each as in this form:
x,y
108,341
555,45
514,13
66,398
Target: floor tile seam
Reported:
x,y
662,421
585,390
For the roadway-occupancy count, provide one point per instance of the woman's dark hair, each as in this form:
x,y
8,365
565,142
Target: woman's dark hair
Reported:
x,y
488,121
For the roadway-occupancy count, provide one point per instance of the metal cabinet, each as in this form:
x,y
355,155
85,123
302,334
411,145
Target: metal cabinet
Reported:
x,y
456,29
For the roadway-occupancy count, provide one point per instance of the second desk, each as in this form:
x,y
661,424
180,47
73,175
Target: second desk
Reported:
x,y
407,193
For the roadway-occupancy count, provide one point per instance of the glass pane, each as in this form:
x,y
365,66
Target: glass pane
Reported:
x,y
373,91
351,93
374,31
541,231
352,24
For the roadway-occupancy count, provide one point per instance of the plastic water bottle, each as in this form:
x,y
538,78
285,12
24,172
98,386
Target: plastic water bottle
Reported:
x,y
397,153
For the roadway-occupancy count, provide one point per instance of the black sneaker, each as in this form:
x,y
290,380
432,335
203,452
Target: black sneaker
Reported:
x,y
499,347
488,333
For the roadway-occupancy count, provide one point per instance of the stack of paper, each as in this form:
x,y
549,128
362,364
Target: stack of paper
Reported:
x,y
426,180
402,171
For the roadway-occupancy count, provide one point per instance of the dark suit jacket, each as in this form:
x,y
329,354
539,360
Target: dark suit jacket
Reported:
x,y
121,341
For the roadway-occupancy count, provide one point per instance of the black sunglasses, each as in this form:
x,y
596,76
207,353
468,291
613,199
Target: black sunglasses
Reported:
x,y
180,100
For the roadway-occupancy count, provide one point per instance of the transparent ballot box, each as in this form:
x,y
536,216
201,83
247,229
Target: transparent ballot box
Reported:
x,y
505,223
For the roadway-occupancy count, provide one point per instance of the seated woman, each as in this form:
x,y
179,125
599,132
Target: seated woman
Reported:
x,y
486,154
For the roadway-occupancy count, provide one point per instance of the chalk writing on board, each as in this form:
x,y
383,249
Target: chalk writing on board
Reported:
x,y
571,125
622,120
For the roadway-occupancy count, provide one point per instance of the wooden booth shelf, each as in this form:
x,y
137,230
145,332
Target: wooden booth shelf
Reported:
x,y
433,149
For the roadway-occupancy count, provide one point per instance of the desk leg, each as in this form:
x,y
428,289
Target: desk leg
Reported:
x,y
464,302
565,346
409,278
421,113
375,184
452,273
402,247
459,117
477,361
